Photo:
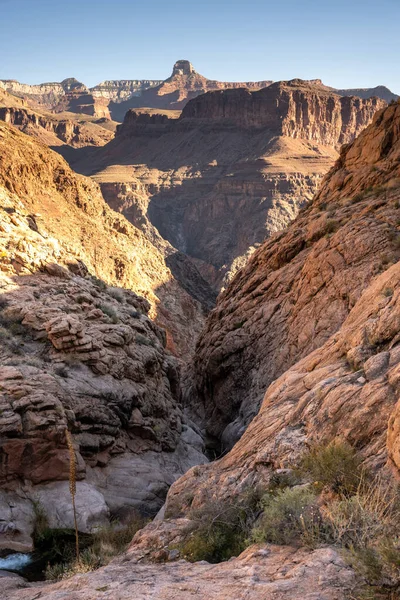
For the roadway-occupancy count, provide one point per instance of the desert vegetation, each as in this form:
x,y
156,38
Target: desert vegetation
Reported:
x,y
327,498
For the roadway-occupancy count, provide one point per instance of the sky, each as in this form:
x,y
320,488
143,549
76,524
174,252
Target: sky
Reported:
x,y
348,43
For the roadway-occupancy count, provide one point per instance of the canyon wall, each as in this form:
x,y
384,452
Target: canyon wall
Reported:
x,y
77,353
234,168
314,292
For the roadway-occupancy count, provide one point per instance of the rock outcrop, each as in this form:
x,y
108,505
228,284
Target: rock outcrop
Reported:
x,y
71,209
57,131
315,316
76,354
173,93
295,109
234,168
116,97
274,572
69,95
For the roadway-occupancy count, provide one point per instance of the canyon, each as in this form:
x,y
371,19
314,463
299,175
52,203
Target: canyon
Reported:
x,y
113,98
191,301
78,353
235,167
302,348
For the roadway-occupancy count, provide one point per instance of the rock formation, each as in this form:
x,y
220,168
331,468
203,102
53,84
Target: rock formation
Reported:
x,y
116,97
233,169
280,573
312,323
315,311
118,90
62,129
77,354
173,93
380,91
69,95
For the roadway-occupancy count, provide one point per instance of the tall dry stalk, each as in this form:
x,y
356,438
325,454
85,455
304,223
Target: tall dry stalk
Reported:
x,y
72,485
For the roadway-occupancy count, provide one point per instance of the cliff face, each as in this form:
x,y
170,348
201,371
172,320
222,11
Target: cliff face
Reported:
x,y
294,109
77,354
233,169
118,90
115,97
69,95
173,93
55,131
319,285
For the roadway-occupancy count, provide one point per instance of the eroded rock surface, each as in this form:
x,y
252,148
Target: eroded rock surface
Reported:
x,y
44,197
258,573
234,168
297,290
76,354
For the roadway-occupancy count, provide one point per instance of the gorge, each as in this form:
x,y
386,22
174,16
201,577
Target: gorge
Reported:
x,y
199,306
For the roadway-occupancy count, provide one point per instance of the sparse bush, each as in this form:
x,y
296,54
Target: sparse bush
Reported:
x,y
99,283
106,543
144,341
135,314
116,293
283,479
88,561
82,298
110,312
222,529
61,371
358,198
291,516
331,226
335,466
18,329
367,524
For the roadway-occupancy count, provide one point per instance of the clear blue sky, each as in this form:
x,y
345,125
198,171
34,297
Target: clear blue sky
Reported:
x,y
350,43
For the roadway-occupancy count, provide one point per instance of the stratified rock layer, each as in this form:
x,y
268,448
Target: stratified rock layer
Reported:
x,y
78,355
325,293
259,573
232,170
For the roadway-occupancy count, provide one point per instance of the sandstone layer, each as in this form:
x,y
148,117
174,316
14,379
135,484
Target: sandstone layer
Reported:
x,y
69,95
274,572
114,97
234,168
76,354
315,316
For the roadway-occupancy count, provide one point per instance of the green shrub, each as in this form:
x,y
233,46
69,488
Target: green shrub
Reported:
x,y
97,549
292,517
110,312
222,529
367,524
116,293
336,466
99,283
144,341
387,292
41,524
